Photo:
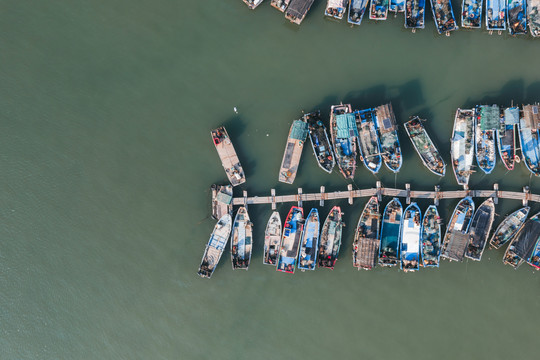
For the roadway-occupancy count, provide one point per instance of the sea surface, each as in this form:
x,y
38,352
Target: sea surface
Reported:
x,y
106,109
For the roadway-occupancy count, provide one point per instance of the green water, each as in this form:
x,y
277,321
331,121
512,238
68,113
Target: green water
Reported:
x,y
106,158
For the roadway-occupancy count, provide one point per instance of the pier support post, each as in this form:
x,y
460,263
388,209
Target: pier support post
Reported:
x,y
526,191
437,195
321,202
245,198
349,188
299,197
273,193
408,188
379,194
496,196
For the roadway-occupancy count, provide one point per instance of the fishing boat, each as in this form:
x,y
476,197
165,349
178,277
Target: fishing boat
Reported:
x,y
534,258
378,10
517,17
344,134
281,5
290,241
397,6
320,143
331,239
430,156
366,238
252,4
368,140
390,232
410,238
216,245
456,239
222,196
430,237
523,243
471,14
462,149
533,16
307,258
443,16
293,151
272,239
506,137
529,138
336,8
389,142
415,13
479,230
496,15
228,156
486,123
509,227
241,240
357,8
297,10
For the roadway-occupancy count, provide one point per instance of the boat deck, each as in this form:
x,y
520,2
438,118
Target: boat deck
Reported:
x,y
228,156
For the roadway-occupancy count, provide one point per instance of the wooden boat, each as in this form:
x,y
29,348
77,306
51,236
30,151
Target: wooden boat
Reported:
x,y
252,4
344,134
496,15
368,140
378,10
366,238
410,238
331,239
471,14
534,258
290,241
322,148
506,137
281,5
479,230
297,10
415,14
443,15
293,151
228,156
397,6
272,239
517,17
241,240
456,238
430,237
336,8
216,245
222,196
389,141
533,17
424,146
357,8
390,232
523,243
462,150
529,137
486,122
509,227
307,258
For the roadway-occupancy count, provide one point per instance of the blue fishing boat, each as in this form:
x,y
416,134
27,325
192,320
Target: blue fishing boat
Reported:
x,y
336,8
378,10
307,258
389,141
533,17
534,258
322,148
411,227
496,15
479,230
241,240
415,13
331,234
390,232
344,136
290,241
368,140
529,138
430,237
366,238
471,14
216,245
281,5
506,137
517,17
523,244
509,227
487,121
357,8
443,14
456,238
397,6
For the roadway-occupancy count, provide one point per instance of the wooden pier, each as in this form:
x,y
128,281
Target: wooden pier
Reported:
x,y
408,193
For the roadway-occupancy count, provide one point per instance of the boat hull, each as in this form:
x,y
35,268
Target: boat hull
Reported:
x,y
522,245
357,8
471,14
509,227
410,238
344,142
216,245
290,240
272,239
390,234
424,146
415,14
366,238
307,257
368,140
241,240
431,237
462,150
517,17
330,242
456,239
480,229
322,148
